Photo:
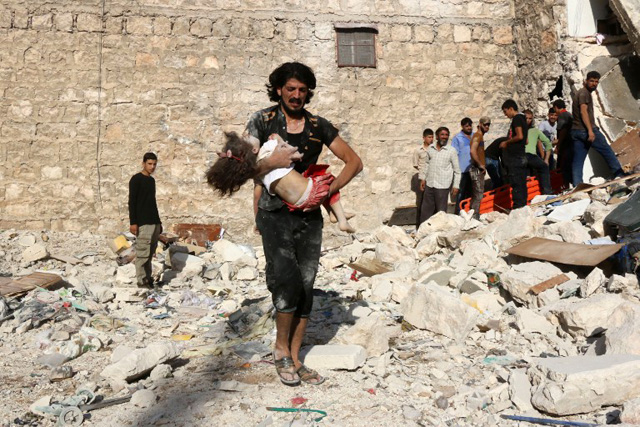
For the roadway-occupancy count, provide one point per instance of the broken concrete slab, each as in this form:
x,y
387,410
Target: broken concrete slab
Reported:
x,y
520,390
631,412
393,235
628,13
370,267
623,336
393,253
595,280
349,357
227,251
433,308
569,211
34,253
427,246
140,362
439,222
618,88
529,321
586,317
520,278
373,333
581,384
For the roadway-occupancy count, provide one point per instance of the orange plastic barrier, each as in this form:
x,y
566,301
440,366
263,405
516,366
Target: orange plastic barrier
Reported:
x,y
500,198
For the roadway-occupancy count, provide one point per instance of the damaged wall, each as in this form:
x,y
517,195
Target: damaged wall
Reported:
x,y
88,88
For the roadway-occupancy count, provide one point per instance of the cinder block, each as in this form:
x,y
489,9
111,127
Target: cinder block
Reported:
x,y
348,357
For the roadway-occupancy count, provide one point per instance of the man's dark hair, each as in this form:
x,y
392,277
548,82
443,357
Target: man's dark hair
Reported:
x,y
290,70
560,104
593,75
552,110
149,156
427,132
466,121
510,103
440,129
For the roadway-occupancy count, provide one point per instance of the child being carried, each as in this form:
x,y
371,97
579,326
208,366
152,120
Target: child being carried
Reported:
x,y
238,163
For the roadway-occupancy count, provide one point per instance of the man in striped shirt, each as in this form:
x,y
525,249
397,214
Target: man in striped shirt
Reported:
x,y
441,173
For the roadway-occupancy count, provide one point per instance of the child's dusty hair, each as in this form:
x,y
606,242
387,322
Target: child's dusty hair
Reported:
x,y
237,164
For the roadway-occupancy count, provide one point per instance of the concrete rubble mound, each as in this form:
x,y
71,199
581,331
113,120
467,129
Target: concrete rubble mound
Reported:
x,y
440,325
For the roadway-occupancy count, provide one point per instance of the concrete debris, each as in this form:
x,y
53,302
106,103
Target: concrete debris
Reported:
x,y
34,253
580,384
631,412
520,390
592,283
447,320
143,398
587,317
347,357
140,362
373,333
433,308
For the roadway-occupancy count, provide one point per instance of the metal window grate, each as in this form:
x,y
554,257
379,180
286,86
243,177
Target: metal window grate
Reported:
x,y
356,47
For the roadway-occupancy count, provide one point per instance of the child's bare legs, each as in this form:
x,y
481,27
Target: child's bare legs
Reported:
x,y
333,218
337,210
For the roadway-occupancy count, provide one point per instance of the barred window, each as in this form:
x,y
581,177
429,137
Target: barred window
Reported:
x,y
356,46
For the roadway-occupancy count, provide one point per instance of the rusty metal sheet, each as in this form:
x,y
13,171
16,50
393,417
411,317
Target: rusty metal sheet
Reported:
x,y
28,282
564,253
627,148
198,233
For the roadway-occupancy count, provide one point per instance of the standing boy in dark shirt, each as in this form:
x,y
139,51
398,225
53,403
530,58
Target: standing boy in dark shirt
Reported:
x,y
514,153
144,219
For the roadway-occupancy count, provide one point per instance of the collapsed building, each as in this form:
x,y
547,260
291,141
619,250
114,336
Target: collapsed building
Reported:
x,y
88,87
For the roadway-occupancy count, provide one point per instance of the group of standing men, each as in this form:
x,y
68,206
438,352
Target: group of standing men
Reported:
x,y
459,169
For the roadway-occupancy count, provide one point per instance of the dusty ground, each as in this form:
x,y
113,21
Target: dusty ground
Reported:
x,y
424,378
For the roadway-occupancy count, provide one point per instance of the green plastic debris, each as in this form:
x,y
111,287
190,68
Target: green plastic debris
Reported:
x,y
322,413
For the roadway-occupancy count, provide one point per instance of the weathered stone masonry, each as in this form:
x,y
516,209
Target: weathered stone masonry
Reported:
x,y
88,87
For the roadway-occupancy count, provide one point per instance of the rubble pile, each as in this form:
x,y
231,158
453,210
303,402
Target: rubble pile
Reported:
x,y
451,324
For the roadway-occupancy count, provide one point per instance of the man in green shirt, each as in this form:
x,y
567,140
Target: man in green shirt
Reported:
x,y
538,166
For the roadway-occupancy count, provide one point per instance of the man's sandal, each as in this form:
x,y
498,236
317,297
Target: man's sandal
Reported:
x,y
309,376
286,366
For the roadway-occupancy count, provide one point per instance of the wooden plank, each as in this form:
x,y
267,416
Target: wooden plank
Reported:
x,y
585,190
370,267
29,282
564,253
548,284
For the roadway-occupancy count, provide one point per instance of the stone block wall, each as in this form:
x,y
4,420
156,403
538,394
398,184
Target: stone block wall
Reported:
x,y
539,27
88,87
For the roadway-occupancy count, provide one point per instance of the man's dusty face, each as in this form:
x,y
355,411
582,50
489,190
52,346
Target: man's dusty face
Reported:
x,y
150,166
293,96
443,137
592,84
466,128
484,127
427,140
552,117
